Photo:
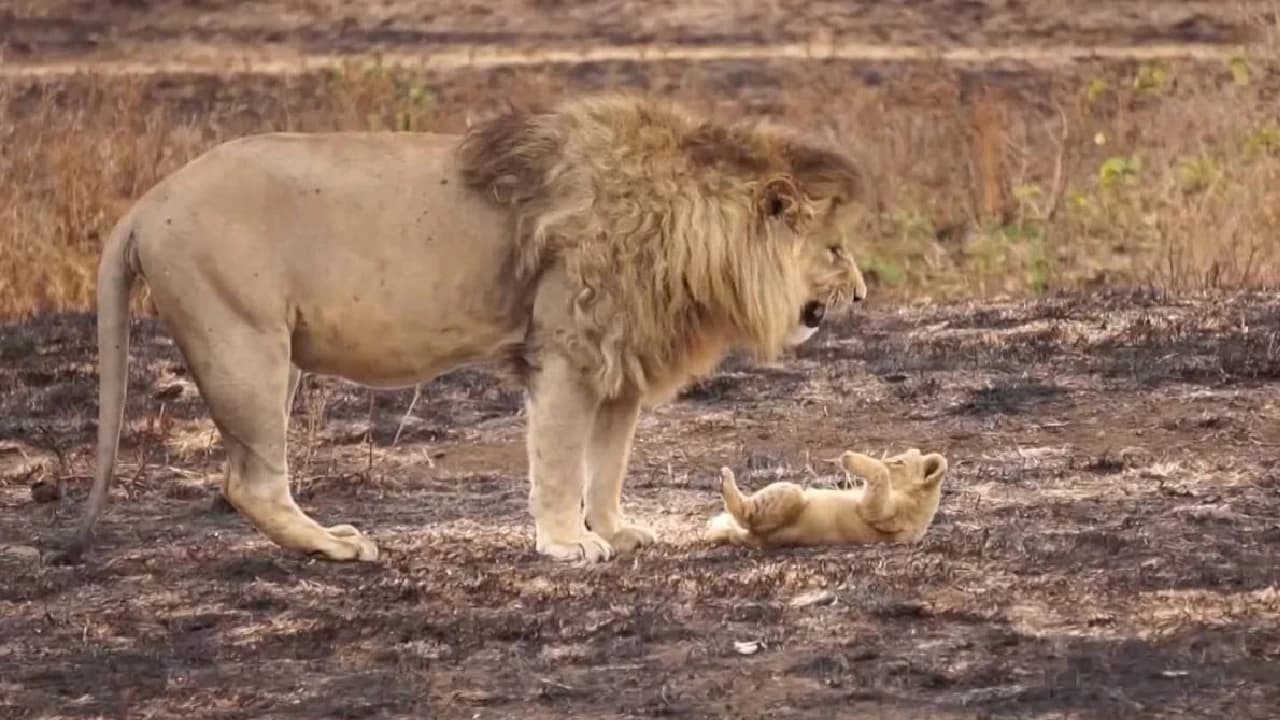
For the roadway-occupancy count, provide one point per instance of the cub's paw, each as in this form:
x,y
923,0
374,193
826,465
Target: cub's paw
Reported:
x,y
631,537
586,546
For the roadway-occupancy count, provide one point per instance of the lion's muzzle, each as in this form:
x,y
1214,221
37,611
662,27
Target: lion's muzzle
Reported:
x,y
812,313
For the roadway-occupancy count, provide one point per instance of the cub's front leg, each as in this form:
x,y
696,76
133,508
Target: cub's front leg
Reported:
x,y
607,456
877,505
561,411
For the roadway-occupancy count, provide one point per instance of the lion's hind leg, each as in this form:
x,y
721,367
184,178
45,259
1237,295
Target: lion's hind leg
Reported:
x,y
220,502
245,378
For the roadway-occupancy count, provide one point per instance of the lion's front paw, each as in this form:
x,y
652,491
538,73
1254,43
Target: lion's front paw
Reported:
x,y
630,537
586,546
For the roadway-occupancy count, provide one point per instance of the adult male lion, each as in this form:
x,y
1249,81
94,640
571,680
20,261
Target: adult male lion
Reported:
x,y
608,252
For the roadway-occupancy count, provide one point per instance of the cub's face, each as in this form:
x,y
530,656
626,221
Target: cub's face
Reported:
x,y
916,475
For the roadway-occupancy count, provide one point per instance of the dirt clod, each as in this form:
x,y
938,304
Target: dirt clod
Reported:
x,y
45,491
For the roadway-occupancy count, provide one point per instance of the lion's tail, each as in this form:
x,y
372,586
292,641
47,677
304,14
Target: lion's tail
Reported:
x,y
116,273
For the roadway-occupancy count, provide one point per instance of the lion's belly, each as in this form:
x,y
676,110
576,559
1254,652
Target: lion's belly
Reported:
x,y
391,313
406,301
378,350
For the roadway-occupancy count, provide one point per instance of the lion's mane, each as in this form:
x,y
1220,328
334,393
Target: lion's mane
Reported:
x,y
657,215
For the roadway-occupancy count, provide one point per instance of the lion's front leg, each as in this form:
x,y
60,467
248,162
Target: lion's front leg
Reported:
x,y
560,410
608,454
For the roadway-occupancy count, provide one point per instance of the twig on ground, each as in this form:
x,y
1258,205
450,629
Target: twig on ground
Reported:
x,y
417,393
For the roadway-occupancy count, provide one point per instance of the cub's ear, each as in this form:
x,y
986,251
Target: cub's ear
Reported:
x,y
780,199
935,467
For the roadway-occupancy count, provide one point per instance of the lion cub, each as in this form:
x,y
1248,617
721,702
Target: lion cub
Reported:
x,y
896,505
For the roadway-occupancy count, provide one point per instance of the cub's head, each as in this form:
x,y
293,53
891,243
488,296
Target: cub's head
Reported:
x,y
916,483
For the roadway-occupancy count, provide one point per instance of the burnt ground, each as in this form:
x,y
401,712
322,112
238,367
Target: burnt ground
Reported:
x,y
1108,543
160,30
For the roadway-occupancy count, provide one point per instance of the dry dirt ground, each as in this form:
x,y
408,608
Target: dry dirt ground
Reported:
x,y
35,31
1108,543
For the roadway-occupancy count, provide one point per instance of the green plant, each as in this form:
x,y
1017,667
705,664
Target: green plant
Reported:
x,y
1195,174
1119,171
882,271
1095,89
1241,73
1265,140
1152,79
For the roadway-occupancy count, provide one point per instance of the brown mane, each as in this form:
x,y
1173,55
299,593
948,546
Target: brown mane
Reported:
x,y
699,212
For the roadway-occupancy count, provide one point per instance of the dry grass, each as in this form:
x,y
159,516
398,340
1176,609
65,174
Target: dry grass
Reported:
x,y
987,184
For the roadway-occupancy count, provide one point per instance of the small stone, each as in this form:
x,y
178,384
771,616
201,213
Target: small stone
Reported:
x,y
45,491
813,597
20,552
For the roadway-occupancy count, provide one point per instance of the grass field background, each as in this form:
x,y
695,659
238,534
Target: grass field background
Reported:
x,y
987,181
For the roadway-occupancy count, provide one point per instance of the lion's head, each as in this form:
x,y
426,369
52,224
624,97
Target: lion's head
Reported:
x,y
687,237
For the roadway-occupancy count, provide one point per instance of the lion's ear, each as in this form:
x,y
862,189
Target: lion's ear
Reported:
x,y
781,200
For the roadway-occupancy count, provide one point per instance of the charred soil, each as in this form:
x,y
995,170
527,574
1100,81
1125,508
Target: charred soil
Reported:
x,y
1107,544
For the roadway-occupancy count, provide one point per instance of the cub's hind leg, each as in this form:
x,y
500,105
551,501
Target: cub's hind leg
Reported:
x,y
245,377
765,511
725,527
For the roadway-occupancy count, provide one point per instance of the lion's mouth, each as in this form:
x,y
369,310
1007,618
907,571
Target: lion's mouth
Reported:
x,y
812,313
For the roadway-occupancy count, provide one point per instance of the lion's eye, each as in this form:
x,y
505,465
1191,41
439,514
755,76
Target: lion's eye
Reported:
x,y
836,251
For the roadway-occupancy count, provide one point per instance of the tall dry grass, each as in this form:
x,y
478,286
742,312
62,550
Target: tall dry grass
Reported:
x,y
984,183
79,151
1161,174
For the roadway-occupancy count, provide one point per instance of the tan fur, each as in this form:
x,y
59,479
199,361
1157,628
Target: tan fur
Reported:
x,y
896,505
608,252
